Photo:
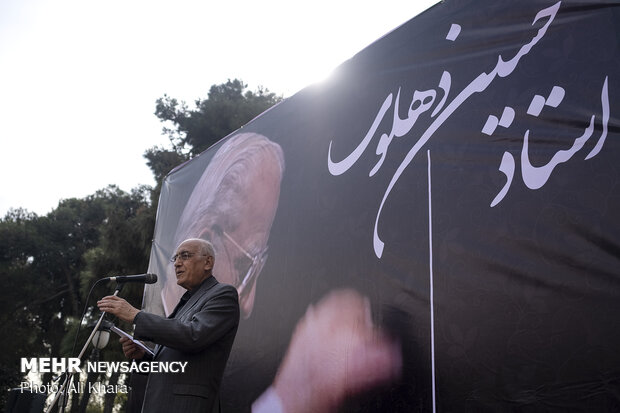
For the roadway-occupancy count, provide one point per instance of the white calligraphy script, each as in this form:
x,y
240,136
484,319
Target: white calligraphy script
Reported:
x,y
422,102
534,177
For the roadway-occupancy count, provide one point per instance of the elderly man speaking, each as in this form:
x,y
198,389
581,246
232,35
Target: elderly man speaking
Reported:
x,y
200,331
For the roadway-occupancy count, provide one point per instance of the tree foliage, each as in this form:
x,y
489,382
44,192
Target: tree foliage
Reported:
x,y
227,107
48,263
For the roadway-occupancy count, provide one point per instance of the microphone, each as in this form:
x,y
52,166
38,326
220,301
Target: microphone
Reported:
x,y
139,278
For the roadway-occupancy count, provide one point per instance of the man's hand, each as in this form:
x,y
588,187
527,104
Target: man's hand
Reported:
x,y
131,349
335,352
118,307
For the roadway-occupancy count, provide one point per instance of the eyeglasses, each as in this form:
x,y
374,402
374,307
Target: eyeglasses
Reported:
x,y
258,261
184,256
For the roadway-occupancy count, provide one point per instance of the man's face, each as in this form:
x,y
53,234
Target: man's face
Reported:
x,y
192,272
251,234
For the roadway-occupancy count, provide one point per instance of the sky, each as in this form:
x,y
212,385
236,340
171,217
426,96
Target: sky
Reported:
x,y
79,78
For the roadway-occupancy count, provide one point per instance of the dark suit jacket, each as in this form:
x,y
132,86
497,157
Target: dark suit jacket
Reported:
x,y
202,333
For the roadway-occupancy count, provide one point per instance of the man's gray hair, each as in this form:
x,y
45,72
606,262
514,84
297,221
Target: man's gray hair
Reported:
x,y
206,247
220,192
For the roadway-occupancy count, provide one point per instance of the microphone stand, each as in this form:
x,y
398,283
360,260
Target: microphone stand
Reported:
x,y
62,391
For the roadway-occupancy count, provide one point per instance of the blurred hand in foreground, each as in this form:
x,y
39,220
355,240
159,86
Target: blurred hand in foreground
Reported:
x,y
335,352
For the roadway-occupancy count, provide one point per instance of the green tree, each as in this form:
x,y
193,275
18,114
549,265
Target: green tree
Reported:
x,y
48,264
227,107
124,247
162,161
19,316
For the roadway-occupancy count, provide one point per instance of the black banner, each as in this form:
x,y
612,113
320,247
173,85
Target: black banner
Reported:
x,y
435,228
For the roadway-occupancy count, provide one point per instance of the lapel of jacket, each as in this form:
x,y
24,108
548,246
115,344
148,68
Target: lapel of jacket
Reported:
x,y
179,305
177,313
202,290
